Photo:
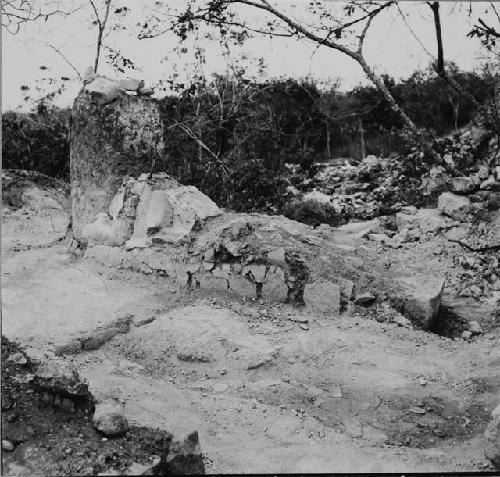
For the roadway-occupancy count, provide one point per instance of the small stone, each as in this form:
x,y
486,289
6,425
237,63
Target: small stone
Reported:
x,y
365,299
475,328
11,417
145,321
462,185
17,358
277,257
57,376
298,319
422,381
467,335
131,84
109,419
7,446
417,410
402,321
219,387
304,327
139,469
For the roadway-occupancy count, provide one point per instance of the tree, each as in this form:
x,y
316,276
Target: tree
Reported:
x,y
325,24
16,13
357,15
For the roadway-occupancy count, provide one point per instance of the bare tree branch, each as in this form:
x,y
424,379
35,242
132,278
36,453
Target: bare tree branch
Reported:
x,y
59,52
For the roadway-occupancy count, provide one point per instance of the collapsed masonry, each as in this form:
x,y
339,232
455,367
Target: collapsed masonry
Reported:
x,y
150,223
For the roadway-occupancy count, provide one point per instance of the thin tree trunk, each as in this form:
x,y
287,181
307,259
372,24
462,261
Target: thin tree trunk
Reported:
x,y
198,126
328,147
362,137
379,83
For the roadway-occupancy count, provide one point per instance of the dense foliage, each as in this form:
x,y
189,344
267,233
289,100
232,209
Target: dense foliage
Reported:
x,y
38,141
231,137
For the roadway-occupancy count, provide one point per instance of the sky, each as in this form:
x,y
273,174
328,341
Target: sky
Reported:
x,y
391,47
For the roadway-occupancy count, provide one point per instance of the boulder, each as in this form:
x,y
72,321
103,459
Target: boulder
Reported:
x,y
323,297
131,84
146,91
435,181
371,160
420,299
365,299
167,212
462,185
454,206
61,377
109,419
104,89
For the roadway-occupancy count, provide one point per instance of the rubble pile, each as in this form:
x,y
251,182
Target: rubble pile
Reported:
x,y
458,221
381,186
155,225
376,186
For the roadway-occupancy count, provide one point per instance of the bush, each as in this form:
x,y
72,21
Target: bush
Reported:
x,y
313,213
37,141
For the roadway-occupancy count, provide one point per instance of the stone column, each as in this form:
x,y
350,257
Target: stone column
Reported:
x,y
109,140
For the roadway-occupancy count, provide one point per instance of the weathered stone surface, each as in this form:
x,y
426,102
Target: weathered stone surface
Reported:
x,y
59,376
109,141
323,297
109,419
453,205
242,286
131,84
167,212
104,89
420,299
277,257
106,231
275,287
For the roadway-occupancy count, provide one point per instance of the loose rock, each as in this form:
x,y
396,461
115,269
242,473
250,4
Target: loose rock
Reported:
x,y
7,446
109,419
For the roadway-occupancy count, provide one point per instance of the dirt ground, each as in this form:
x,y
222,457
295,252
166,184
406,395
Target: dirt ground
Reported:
x,y
269,388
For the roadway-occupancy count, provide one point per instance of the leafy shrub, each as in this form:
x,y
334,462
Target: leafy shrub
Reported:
x,y
312,213
37,141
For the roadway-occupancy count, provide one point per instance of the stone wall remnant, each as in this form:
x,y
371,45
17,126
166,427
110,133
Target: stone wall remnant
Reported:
x,y
113,134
